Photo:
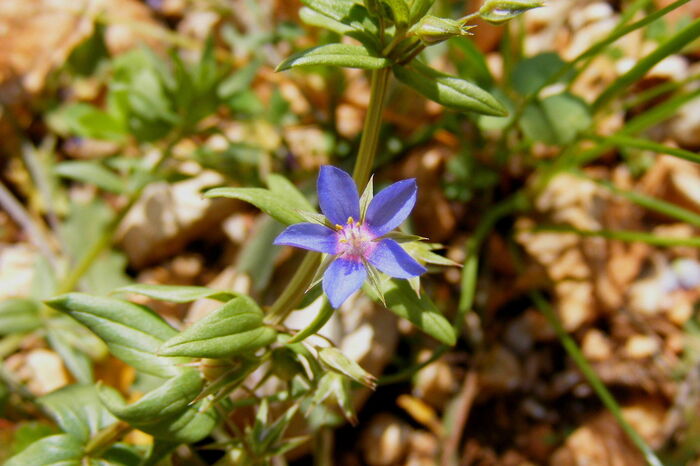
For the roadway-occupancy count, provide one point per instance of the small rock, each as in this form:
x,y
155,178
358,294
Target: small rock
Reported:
x,y
435,383
641,346
385,440
46,371
596,345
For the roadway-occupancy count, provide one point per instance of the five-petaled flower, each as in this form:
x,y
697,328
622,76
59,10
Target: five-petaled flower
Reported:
x,y
355,238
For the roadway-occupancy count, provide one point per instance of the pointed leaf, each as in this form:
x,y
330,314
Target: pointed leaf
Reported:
x,y
56,450
234,329
351,56
169,399
448,90
133,333
177,294
91,172
338,362
421,312
19,315
77,410
281,186
272,204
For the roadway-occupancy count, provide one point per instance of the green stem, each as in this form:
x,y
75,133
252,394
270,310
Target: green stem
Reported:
x,y
624,235
106,437
294,292
371,128
601,390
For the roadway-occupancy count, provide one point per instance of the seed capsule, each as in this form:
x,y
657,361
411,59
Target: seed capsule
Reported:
x,y
500,11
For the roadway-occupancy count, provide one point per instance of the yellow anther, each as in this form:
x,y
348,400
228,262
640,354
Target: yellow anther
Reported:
x,y
343,240
350,220
338,227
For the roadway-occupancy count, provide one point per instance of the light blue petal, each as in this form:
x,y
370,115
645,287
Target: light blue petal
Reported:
x,y
342,279
337,195
391,259
309,236
391,206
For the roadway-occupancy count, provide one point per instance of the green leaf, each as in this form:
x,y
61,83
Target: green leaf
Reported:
x,y
176,293
76,361
344,17
77,410
239,81
258,255
91,172
19,315
231,330
424,253
56,450
420,8
531,73
448,90
171,398
281,186
133,333
187,426
280,209
558,119
350,56
400,11
421,312
27,432
87,121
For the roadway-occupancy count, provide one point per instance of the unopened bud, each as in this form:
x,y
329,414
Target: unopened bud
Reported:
x,y
338,362
500,11
432,30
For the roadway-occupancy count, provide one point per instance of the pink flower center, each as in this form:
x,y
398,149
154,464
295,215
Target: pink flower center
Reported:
x,y
355,242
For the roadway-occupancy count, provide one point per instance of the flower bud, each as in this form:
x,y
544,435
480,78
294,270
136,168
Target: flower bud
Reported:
x,y
338,362
500,11
432,30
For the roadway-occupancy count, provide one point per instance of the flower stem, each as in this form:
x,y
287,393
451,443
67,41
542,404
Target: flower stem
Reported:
x,y
292,294
371,128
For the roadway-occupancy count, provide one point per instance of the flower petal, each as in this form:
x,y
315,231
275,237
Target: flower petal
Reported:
x,y
391,206
342,279
337,195
309,236
391,259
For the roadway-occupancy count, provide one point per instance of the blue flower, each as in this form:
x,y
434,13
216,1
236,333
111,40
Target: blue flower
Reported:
x,y
355,237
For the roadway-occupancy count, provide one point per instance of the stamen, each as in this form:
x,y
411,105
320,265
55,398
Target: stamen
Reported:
x,y
338,227
350,220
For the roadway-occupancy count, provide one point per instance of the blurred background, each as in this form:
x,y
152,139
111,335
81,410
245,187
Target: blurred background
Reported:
x,y
583,205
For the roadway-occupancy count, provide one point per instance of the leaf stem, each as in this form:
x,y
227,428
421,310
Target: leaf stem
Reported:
x,y
601,390
106,437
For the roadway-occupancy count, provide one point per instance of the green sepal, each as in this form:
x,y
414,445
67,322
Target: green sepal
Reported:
x,y
448,90
337,387
335,360
232,330
345,55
